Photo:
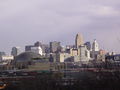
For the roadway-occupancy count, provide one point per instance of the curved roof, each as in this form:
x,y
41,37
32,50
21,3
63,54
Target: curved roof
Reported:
x,y
27,56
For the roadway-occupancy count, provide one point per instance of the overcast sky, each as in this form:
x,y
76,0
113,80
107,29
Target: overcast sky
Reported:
x,y
23,22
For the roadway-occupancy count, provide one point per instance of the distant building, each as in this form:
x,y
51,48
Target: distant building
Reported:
x,y
95,50
15,51
28,47
115,58
94,54
70,46
37,44
37,50
74,52
55,47
78,40
88,45
6,58
84,53
27,56
111,53
52,57
63,49
75,58
100,57
45,48
95,46
112,61
62,57
102,52
2,53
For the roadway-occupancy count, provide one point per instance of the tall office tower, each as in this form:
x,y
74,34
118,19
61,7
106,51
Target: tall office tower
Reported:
x,y
15,51
95,46
55,47
88,45
78,40
84,53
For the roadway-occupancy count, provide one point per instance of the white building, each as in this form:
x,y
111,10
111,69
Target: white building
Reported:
x,y
37,50
95,49
88,54
95,46
5,58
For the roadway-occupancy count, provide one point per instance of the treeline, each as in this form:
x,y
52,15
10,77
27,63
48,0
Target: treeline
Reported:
x,y
102,81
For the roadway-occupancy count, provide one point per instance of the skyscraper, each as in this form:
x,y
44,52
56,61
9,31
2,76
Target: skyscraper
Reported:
x,y
78,40
88,45
95,46
55,47
37,44
36,48
15,51
84,53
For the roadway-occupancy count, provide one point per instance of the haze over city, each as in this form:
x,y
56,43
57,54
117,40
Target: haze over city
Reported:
x,y
27,21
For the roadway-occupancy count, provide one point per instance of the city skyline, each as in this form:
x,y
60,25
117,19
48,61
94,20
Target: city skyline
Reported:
x,y
25,22
23,49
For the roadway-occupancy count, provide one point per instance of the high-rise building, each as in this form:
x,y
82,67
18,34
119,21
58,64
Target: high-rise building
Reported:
x,y
73,52
37,44
95,46
55,47
45,47
15,51
78,40
28,47
95,50
88,45
84,53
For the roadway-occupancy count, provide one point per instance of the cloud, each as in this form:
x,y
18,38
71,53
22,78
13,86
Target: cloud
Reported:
x,y
105,11
26,21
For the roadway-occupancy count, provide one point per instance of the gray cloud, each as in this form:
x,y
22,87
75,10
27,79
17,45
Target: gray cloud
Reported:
x,y
26,21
